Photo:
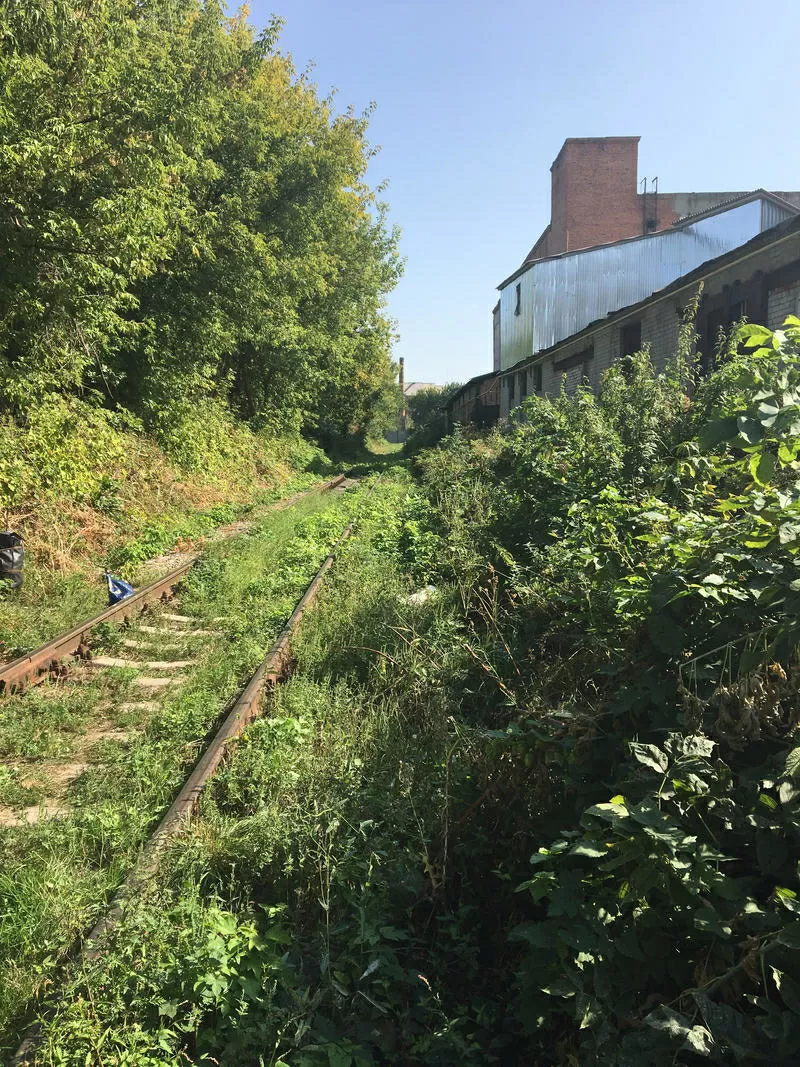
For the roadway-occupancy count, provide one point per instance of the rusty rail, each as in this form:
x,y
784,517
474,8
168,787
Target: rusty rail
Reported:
x,y
246,709
36,665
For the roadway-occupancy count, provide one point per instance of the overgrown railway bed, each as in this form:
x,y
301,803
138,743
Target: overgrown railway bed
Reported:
x,y
147,686
35,666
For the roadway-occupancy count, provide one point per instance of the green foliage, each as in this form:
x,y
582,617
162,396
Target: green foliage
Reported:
x,y
186,226
426,417
545,809
62,450
647,616
55,873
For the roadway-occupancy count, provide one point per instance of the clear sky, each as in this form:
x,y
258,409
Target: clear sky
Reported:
x,y
475,99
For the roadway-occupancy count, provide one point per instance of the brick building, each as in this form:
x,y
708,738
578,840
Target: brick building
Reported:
x,y
549,299
759,279
596,197
596,284
476,403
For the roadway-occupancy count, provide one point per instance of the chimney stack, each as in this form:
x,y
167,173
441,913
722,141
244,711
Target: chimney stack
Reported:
x,y
594,193
403,391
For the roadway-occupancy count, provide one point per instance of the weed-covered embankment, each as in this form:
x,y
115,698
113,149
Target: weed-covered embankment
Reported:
x,y
531,795
88,490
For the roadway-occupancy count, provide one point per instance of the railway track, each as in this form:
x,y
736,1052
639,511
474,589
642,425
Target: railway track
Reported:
x,y
147,642
42,662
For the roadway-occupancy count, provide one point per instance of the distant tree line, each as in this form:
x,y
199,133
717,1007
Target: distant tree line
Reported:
x,y
185,224
427,416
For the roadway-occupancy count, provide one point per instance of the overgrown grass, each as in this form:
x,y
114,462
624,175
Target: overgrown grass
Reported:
x,y
50,603
314,861
58,873
547,811
89,491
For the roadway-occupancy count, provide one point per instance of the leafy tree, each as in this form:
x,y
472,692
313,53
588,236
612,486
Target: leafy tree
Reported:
x,y
183,220
426,416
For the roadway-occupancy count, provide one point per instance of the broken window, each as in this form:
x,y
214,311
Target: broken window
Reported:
x,y
630,338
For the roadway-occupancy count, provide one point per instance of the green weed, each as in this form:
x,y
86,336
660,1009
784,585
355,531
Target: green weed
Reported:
x,y
247,586
545,811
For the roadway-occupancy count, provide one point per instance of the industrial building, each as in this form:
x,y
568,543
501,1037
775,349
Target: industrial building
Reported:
x,y
759,279
477,403
596,284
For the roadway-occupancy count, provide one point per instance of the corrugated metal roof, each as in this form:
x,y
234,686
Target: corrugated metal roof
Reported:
x,y
739,198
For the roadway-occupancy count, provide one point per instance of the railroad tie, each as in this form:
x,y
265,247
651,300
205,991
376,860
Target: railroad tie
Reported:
x,y
150,664
132,642
177,633
158,683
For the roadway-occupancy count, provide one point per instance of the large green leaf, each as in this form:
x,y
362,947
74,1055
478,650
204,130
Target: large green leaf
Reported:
x,y
762,467
719,430
791,768
649,756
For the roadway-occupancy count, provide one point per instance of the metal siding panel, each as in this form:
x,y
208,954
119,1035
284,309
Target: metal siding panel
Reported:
x,y
516,331
567,293
574,290
772,214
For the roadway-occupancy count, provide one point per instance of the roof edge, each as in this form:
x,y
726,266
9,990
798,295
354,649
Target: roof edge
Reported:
x,y
688,220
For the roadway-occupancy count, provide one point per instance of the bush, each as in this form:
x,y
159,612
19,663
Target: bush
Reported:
x,y
63,448
640,651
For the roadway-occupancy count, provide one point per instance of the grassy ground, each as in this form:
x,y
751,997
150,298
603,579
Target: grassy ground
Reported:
x,y
55,598
546,812
57,873
381,447
278,931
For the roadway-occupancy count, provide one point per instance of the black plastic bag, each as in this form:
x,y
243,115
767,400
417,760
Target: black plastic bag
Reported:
x,y
12,557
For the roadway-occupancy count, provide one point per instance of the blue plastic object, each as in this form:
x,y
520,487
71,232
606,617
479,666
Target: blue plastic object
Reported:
x,y
117,589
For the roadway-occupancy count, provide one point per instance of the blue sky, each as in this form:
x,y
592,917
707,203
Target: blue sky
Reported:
x,y
474,101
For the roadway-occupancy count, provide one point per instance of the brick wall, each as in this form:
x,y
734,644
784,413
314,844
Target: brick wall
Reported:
x,y
783,301
476,398
594,193
595,198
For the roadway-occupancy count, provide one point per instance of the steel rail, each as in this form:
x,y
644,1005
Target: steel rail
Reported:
x,y
247,708
34,666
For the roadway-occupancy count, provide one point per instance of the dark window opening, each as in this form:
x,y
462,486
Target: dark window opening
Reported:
x,y
630,338
511,379
523,384
719,321
717,314
537,378
651,225
717,324
577,360
518,307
